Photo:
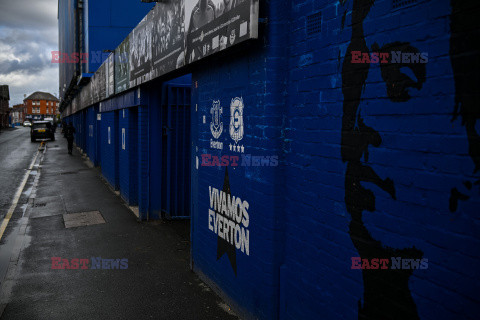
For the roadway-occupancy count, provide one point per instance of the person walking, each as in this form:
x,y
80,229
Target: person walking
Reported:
x,y
69,134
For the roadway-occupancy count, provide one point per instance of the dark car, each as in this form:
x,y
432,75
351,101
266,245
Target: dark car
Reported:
x,y
42,130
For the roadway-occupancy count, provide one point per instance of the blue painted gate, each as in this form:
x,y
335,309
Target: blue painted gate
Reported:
x,y
176,140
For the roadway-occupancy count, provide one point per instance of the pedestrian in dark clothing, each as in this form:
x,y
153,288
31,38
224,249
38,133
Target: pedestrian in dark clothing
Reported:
x,y
69,133
64,126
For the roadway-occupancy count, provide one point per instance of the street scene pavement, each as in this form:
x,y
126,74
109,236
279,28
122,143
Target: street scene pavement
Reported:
x,y
57,211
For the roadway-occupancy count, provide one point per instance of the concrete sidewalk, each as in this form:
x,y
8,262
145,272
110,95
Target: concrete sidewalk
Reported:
x,y
157,284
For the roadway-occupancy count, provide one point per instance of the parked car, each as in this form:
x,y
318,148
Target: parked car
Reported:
x,y
41,130
27,123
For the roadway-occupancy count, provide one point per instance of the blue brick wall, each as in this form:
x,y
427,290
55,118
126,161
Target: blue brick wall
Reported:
x,y
364,170
422,151
250,281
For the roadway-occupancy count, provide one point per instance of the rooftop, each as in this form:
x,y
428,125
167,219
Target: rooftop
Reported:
x,y
41,96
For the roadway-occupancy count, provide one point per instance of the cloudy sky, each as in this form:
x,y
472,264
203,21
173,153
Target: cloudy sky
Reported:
x,y
28,35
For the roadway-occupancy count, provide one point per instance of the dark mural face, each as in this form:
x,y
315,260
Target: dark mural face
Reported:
x,y
386,292
465,59
372,189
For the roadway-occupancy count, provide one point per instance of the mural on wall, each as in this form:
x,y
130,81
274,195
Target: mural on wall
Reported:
x,y
386,292
110,75
175,33
168,37
464,56
214,25
141,51
228,217
98,84
122,67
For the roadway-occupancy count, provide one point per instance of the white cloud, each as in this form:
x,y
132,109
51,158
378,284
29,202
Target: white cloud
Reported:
x,y
28,14
21,83
28,35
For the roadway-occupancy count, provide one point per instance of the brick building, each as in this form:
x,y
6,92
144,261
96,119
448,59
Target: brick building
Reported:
x,y
41,105
328,163
17,115
4,106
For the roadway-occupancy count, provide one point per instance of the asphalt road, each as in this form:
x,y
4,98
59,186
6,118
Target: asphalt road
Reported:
x,y
16,153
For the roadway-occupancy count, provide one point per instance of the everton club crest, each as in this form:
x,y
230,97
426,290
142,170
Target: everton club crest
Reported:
x,y
216,126
236,124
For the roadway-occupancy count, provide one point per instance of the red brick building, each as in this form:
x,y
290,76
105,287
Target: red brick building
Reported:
x,y
41,105
17,114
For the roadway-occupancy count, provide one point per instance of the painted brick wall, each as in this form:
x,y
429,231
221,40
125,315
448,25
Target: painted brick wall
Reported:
x,y
370,172
374,161
108,147
254,75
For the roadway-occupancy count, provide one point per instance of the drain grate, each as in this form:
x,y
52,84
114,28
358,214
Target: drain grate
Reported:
x,y
81,219
40,205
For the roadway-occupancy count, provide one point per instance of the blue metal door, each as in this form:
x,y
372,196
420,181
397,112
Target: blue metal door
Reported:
x,y
98,136
176,140
117,138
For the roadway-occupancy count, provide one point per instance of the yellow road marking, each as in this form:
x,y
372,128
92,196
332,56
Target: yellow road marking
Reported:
x,y
9,214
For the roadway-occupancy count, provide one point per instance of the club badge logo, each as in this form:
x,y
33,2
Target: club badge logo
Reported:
x,y
236,119
236,124
216,126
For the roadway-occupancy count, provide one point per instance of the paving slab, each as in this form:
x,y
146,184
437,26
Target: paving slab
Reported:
x,y
82,219
46,206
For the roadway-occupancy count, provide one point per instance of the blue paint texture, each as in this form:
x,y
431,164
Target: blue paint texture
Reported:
x,y
362,169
